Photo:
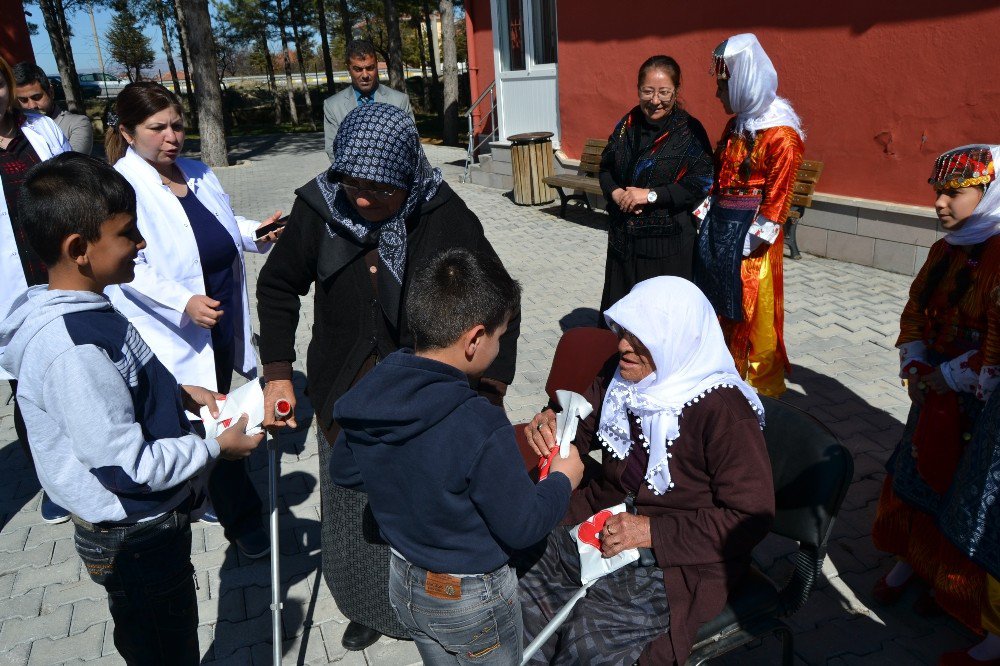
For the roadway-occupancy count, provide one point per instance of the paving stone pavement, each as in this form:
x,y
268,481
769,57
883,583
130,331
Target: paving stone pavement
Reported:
x,y
841,322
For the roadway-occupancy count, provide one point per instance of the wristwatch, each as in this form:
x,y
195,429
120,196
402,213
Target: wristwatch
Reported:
x,y
651,197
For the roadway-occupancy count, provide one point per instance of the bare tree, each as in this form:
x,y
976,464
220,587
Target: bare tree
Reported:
x,y
287,62
168,51
432,55
182,38
324,40
450,58
297,36
204,70
55,24
394,52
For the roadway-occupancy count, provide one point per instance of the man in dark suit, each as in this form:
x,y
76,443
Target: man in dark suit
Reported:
x,y
362,65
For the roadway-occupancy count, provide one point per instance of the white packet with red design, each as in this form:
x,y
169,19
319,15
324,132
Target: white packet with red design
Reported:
x,y
247,399
587,534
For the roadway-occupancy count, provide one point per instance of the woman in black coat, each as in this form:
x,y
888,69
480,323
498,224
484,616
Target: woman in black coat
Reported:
x,y
656,169
355,235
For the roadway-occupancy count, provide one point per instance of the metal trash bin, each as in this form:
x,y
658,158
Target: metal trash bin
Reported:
x,y
531,161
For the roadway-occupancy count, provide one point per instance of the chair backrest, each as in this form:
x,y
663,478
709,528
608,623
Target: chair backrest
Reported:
x,y
580,355
812,471
590,159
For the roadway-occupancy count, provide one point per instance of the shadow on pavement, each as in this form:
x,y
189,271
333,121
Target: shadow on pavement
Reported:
x,y
18,483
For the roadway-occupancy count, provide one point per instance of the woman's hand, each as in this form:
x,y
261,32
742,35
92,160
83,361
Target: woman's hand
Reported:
x,y
632,200
274,235
202,311
623,531
541,433
196,397
275,390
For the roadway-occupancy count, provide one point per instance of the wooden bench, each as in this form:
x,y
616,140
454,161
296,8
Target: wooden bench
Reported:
x,y
802,198
584,181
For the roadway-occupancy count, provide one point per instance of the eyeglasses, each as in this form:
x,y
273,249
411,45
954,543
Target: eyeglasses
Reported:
x,y
664,95
381,195
621,332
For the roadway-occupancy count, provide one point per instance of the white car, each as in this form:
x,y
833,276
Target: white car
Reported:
x,y
109,84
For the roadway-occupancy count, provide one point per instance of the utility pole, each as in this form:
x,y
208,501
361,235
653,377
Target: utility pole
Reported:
x,y
97,44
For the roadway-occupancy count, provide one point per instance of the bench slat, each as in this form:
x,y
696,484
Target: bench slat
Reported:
x,y
584,183
804,187
800,200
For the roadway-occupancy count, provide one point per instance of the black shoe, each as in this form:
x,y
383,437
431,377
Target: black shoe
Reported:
x,y
254,545
358,637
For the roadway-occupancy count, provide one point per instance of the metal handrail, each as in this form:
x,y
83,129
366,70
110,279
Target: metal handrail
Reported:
x,y
475,126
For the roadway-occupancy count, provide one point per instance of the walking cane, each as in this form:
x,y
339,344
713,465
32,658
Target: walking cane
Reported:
x,y
556,622
281,410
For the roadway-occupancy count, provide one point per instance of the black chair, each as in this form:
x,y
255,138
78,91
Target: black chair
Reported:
x,y
812,471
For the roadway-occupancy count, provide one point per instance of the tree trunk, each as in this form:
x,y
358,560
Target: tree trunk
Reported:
x,y
346,22
450,64
430,43
205,70
395,51
288,65
182,38
325,45
74,78
168,51
63,56
423,68
293,14
272,85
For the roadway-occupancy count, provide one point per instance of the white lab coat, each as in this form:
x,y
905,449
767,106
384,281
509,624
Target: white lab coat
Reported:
x,y
168,272
47,140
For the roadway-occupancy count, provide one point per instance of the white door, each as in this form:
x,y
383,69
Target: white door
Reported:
x,y
525,57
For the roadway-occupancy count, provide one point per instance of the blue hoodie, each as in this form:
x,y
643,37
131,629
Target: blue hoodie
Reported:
x,y
105,422
441,467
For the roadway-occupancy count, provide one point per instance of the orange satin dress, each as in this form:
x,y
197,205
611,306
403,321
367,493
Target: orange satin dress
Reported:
x,y
757,343
960,586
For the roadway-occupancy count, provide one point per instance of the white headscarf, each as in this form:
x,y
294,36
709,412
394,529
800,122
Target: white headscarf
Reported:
x,y
984,222
753,88
678,326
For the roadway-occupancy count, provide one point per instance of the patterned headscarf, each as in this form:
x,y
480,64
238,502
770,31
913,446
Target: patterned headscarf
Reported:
x,y
971,166
679,327
379,142
753,86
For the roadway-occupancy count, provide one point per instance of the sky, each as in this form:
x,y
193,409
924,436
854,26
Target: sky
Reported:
x,y
84,49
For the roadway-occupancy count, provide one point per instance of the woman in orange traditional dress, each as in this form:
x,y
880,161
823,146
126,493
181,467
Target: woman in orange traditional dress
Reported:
x,y
949,347
738,262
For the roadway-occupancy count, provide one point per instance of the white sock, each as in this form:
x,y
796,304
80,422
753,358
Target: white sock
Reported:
x,y
987,650
899,574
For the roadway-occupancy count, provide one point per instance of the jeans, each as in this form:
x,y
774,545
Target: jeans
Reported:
x,y
147,572
482,626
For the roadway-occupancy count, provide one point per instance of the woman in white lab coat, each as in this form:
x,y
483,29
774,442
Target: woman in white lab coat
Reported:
x,y
25,140
189,299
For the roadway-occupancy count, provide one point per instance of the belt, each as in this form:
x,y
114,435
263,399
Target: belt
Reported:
x,y
106,526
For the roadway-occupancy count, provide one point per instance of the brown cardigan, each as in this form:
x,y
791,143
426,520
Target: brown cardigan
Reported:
x,y
703,530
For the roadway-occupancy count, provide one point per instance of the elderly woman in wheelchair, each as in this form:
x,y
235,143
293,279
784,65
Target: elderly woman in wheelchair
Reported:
x,y
683,449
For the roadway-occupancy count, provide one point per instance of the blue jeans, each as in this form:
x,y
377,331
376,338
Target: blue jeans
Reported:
x,y
482,626
147,572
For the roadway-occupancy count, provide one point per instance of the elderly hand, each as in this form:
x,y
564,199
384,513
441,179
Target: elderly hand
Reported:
x,y
274,235
541,433
623,531
633,200
274,390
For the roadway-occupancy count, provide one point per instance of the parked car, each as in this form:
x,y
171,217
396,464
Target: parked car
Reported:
x,y
89,90
107,85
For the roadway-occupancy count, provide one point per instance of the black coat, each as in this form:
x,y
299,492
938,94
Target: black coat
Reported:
x,y
348,323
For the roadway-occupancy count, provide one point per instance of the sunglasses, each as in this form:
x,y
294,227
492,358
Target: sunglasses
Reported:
x,y
375,192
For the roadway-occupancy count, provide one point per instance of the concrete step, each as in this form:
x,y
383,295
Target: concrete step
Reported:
x,y
500,150
489,179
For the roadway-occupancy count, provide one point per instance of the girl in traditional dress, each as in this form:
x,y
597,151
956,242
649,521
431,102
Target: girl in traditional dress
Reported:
x,y
949,347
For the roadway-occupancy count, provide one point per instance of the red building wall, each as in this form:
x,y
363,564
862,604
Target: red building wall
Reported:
x,y
15,42
882,87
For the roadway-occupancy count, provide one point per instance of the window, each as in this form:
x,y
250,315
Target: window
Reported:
x,y
543,31
512,46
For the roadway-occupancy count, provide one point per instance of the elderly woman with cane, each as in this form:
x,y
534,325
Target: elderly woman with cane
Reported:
x,y
684,451
355,234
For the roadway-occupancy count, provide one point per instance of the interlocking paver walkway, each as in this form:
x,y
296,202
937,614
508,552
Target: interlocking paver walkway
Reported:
x,y
841,322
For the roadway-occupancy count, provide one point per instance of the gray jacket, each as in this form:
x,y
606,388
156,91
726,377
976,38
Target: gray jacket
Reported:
x,y
336,108
78,129
105,422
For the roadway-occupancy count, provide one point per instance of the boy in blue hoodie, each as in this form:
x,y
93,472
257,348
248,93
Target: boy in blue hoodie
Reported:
x,y
108,432
441,467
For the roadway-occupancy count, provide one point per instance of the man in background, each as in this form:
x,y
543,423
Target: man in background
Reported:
x,y
362,65
34,92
